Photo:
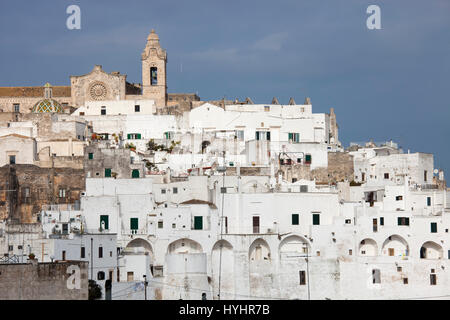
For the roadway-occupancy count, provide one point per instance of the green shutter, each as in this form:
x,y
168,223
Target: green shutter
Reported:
x,y
290,136
381,221
308,158
129,136
399,221
138,136
297,137
316,219
198,223
104,218
295,219
107,173
134,223
91,156
135,173
407,221
268,135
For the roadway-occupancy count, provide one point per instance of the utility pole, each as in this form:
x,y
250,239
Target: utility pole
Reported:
x,y
307,269
221,225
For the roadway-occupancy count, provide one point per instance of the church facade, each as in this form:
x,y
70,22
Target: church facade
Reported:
x,y
99,85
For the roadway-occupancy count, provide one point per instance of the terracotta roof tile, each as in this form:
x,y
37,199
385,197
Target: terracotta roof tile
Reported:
x,y
33,92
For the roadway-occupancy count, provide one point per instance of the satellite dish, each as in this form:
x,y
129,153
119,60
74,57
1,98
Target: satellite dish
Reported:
x,y
436,171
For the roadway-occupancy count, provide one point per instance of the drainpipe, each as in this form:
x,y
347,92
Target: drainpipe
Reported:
x,y
92,258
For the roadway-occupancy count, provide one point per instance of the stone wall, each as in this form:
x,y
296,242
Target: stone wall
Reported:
x,y
42,281
340,168
27,187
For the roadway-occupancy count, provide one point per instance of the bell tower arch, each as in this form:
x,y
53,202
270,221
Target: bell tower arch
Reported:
x,y
154,59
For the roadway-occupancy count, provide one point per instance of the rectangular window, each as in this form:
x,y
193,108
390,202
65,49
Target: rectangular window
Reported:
x,y
255,224
16,107
294,137
12,159
83,253
433,279
104,222
134,136
348,221
403,221
376,276
64,255
163,191
303,188
240,135
428,201
350,252
198,223
26,192
100,252
308,159
62,193
425,175
398,198
295,219
137,108
160,224
381,221
375,225
175,190
266,108
103,111
386,176
302,275
107,172
263,135
433,227
316,219
134,223
405,280
91,156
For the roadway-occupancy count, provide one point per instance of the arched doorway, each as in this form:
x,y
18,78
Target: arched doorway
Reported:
x,y
431,250
222,265
395,246
368,248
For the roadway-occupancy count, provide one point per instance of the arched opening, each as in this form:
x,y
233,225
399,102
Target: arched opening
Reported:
x,y
153,76
205,144
431,250
368,248
183,246
395,246
259,251
139,256
222,265
294,246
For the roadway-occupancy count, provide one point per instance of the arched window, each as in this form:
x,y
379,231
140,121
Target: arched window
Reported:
x,y
153,76
100,275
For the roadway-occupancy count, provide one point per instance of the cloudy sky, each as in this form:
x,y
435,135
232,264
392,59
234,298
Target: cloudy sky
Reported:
x,y
392,83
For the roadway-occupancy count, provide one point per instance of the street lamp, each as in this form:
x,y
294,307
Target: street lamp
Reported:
x,y
145,287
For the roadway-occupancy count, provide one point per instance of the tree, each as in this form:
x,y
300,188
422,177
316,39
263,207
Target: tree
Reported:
x,y
95,292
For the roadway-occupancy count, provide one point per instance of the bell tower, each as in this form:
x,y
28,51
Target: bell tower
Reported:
x,y
154,59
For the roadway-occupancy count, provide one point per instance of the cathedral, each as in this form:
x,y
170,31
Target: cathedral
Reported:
x,y
100,85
